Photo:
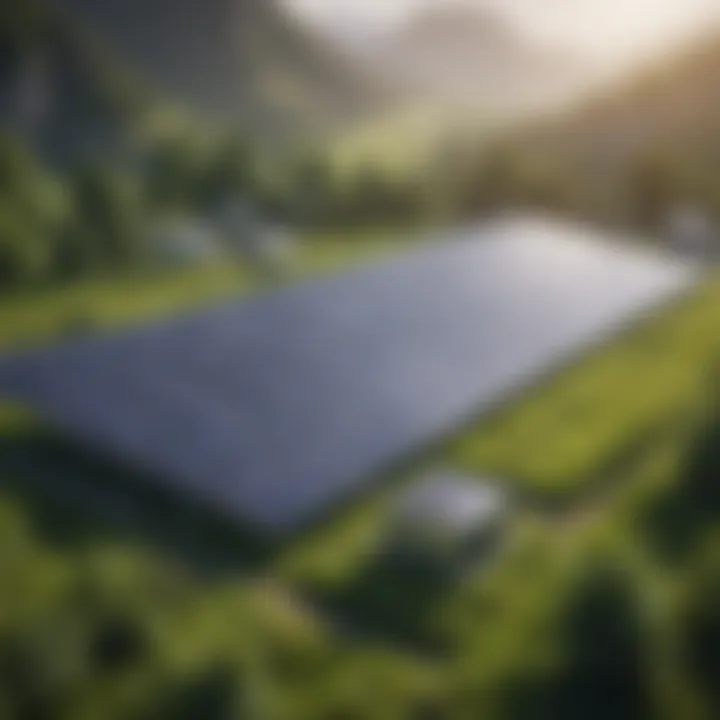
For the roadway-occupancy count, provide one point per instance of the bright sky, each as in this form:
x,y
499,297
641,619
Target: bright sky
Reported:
x,y
607,29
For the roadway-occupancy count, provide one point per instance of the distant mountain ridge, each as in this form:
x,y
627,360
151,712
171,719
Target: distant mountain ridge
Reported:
x,y
461,54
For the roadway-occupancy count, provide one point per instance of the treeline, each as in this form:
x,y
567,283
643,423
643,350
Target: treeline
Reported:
x,y
635,188
99,217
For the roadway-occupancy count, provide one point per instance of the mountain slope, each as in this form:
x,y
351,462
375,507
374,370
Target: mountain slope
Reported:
x,y
59,86
627,156
672,105
232,59
457,54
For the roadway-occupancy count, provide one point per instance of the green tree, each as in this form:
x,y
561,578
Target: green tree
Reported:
x,y
700,628
604,672
490,182
175,172
109,214
313,191
35,209
229,172
653,185
23,25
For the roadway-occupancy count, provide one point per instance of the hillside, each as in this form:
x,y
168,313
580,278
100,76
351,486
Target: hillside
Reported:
x,y
456,54
241,60
78,76
672,106
58,84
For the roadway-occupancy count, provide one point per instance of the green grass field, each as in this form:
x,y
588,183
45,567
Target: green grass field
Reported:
x,y
37,316
568,429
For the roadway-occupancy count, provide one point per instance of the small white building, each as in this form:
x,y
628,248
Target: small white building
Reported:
x,y
448,519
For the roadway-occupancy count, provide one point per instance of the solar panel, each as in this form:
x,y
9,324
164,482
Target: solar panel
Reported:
x,y
273,408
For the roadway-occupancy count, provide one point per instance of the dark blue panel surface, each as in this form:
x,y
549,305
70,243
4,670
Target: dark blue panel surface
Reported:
x,y
273,408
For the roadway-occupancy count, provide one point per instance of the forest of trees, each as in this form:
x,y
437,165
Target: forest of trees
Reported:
x,y
60,225
57,225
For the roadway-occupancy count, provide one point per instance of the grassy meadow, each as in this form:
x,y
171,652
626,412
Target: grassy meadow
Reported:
x,y
32,317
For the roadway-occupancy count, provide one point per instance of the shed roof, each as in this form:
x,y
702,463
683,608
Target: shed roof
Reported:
x,y
461,503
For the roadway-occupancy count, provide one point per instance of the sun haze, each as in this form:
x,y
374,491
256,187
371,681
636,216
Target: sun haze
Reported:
x,y
616,31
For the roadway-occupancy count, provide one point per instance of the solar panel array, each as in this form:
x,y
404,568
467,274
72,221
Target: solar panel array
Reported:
x,y
272,408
